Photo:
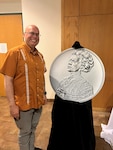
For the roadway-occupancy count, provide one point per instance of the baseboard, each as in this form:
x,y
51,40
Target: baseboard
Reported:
x,y
100,116
101,109
50,100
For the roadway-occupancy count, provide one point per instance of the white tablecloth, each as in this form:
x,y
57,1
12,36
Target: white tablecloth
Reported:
x,y
107,130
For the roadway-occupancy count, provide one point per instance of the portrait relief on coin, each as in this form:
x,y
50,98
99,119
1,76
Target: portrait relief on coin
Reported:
x,y
77,74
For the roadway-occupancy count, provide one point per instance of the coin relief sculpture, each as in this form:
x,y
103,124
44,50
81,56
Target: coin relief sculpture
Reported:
x,y
77,74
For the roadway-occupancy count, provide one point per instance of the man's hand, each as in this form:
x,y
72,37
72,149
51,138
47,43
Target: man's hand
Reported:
x,y
45,99
14,111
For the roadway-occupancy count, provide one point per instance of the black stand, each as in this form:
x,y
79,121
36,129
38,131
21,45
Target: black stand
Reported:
x,y
72,124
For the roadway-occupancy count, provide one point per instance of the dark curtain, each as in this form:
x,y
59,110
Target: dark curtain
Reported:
x,y
72,126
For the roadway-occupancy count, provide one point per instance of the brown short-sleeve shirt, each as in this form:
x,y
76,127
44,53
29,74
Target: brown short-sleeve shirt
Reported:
x,y
27,69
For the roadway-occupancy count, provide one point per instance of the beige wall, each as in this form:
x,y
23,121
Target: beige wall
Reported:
x,y
10,6
47,16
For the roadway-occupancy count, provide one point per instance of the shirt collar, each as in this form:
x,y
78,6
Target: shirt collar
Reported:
x,y
33,52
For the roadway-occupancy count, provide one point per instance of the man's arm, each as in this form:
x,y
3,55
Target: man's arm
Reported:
x,y
9,88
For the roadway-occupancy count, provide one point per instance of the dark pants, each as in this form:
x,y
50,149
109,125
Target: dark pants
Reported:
x,y
72,126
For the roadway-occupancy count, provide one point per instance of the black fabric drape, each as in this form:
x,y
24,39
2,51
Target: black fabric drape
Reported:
x,y
72,126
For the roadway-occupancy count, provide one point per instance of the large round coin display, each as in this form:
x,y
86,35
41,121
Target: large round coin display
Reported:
x,y
77,75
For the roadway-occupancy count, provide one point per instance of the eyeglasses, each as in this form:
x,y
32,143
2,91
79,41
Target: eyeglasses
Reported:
x,y
33,33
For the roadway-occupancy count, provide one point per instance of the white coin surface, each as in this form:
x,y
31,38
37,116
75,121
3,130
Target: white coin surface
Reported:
x,y
77,75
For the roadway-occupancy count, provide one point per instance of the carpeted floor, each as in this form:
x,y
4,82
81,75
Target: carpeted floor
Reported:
x,y
9,131
102,145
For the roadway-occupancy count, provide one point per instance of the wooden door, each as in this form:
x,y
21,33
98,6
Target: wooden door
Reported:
x,y
10,33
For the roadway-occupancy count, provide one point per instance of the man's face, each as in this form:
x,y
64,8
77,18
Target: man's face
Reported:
x,y
31,36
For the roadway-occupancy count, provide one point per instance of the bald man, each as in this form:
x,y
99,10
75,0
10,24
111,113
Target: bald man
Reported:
x,y
23,70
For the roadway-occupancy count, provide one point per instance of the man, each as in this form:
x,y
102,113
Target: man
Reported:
x,y
23,70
